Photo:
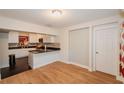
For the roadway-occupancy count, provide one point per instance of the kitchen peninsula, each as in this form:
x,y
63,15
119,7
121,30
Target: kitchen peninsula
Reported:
x,y
38,58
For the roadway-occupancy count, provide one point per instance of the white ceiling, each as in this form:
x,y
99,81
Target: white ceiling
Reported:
x,y
68,18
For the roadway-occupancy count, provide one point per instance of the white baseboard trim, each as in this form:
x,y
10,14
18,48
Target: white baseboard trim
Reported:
x,y
83,66
120,78
64,61
74,63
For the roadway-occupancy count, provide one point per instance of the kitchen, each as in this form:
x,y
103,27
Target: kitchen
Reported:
x,y
64,48
23,44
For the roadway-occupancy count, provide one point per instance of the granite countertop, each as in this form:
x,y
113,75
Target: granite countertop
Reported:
x,y
19,47
43,51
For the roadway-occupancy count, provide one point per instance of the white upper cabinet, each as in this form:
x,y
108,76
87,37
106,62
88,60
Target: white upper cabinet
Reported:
x,y
33,38
45,38
39,36
13,37
49,39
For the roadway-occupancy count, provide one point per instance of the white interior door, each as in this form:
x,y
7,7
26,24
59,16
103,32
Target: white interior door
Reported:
x,y
79,47
106,49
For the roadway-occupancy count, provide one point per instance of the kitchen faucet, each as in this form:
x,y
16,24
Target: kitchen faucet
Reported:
x,y
45,47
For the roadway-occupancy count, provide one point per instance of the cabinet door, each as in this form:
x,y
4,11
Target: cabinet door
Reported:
x,y
38,37
52,39
33,38
49,39
44,38
13,37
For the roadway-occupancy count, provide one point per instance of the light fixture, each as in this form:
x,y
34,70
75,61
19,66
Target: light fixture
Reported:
x,y
56,12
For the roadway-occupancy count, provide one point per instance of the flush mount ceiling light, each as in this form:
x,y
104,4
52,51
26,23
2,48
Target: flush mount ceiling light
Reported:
x,y
57,12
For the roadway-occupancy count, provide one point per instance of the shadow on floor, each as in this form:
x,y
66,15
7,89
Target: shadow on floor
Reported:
x,y
21,66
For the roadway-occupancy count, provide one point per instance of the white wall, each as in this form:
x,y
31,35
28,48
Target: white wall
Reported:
x,y
95,22
4,61
64,41
12,24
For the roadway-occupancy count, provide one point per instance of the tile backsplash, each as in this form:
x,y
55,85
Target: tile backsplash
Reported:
x,y
56,45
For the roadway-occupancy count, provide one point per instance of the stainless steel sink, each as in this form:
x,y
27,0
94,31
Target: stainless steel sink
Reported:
x,y
40,51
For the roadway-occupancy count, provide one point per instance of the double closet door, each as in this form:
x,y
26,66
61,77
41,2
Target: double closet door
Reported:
x,y
106,48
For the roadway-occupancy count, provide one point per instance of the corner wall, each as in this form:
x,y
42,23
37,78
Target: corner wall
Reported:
x,y
64,41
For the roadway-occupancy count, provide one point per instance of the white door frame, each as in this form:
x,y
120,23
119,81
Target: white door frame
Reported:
x,y
117,52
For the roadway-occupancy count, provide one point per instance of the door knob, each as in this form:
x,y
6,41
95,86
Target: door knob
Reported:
x,y
97,52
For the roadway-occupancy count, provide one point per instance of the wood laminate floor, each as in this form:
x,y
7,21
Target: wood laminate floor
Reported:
x,y
60,73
